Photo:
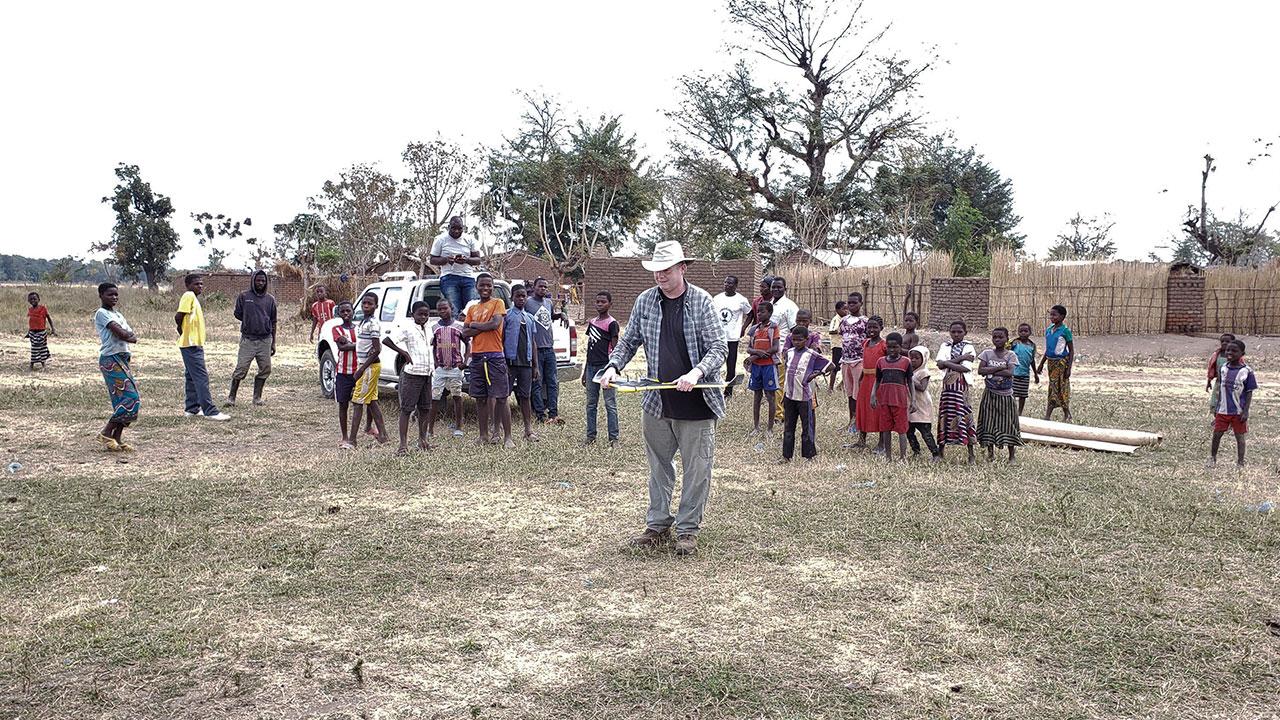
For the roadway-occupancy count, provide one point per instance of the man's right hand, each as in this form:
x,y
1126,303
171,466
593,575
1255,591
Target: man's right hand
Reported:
x,y
606,380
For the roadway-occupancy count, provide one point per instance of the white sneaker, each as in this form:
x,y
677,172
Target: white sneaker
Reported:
x,y
197,413
219,416
458,433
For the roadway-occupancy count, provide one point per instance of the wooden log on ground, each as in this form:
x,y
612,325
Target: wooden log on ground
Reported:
x,y
1053,428
1081,444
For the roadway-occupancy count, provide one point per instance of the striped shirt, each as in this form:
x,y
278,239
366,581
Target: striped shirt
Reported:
x,y
449,344
346,358
800,365
413,340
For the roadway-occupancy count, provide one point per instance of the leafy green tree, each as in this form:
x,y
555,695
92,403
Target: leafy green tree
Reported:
x,y
561,189
802,149
368,210
1087,239
215,261
693,198
142,240
970,254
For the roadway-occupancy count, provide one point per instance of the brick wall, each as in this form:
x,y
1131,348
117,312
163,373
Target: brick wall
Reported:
x,y
967,299
625,279
1184,311
231,284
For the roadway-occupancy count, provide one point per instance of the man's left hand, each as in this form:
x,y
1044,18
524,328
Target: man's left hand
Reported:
x,y
685,382
273,351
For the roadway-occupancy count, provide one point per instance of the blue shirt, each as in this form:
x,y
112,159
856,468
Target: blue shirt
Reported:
x,y
1025,353
1055,341
515,322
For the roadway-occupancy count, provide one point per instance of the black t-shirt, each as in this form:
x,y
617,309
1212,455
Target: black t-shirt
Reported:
x,y
673,361
600,340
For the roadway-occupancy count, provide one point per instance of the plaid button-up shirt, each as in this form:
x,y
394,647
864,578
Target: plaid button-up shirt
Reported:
x,y
703,334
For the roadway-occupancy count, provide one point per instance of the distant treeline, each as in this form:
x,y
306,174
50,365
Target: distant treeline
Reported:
x,y
16,268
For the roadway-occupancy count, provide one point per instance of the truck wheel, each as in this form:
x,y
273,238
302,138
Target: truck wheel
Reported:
x,y
328,374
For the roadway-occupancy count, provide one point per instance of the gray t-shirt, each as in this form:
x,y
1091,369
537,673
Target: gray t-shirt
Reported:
x,y
996,384
110,344
541,311
446,246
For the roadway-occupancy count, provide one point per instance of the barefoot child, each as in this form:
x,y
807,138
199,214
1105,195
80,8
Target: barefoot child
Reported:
x,y
803,365
920,411
868,417
489,380
1237,383
853,331
761,351
519,345
891,395
955,414
369,371
39,328
412,344
451,354
344,336
834,331
1060,355
321,311
997,415
114,357
1025,348
1216,361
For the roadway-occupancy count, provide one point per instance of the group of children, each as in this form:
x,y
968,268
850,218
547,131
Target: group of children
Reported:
x,y
496,345
1231,384
886,378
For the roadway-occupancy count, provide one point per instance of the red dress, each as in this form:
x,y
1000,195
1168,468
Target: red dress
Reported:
x,y
867,419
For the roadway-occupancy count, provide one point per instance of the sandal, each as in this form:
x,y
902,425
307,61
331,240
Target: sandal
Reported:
x,y
109,444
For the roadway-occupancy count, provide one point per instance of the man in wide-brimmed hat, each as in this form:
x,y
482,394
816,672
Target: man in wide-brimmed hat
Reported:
x,y
684,343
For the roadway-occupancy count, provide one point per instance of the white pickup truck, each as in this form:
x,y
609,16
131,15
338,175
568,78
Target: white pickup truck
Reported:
x,y
397,292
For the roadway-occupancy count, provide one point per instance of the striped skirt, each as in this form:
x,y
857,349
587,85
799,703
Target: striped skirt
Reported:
x,y
1021,386
998,421
39,345
121,388
955,414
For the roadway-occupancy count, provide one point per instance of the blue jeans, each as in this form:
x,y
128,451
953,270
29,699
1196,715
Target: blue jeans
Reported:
x,y
458,290
593,403
549,382
197,381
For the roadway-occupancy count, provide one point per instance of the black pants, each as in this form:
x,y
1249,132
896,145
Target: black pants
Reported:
x,y
925,430
793,411
731,366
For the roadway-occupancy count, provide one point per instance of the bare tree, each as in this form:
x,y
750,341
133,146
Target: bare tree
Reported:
x,y
443,176
1218,246
802,150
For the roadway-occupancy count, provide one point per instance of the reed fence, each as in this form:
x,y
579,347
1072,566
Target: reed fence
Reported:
x,y
1243,300
887,291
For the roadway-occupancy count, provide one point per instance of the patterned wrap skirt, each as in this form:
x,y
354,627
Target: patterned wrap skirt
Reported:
x,y
121,388
998,421
955,414
39,345
1059,383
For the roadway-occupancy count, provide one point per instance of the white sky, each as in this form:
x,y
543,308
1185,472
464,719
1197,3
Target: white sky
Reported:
x,y
247,107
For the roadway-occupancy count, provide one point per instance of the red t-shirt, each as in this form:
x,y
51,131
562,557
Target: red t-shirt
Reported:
x,y
37,317
893,376
762,338
346,358
322,310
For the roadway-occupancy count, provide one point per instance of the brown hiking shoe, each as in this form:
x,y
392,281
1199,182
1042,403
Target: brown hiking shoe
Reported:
x,y
687,545
650,538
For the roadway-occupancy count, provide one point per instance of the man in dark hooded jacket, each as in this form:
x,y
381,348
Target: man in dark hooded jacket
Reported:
x,y
256,311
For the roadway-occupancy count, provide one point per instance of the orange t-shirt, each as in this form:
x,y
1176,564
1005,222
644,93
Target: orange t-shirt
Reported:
x,y
489,341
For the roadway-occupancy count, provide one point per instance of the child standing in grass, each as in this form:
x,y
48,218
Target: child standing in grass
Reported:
x,y
955,414
114,360
762,351
39,328
853,331
1060,355
868,417
1025,348
344,381
920,411
520,345
490,383
891,395
602,335
413,345
1237,383
997,415
369,371
450,352
803,364
321,311
1216,362
836,350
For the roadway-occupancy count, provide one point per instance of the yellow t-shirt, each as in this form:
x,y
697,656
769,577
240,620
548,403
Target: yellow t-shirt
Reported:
x,y
193,324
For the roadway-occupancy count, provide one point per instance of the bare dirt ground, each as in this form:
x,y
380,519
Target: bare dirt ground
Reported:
x,y
251,570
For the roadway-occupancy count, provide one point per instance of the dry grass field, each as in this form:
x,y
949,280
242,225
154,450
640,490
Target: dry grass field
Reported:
x,y
250,570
